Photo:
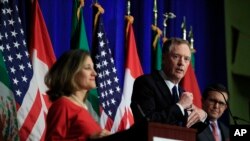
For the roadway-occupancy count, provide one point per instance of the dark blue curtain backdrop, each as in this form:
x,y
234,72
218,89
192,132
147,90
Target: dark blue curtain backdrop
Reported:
x,y
205,16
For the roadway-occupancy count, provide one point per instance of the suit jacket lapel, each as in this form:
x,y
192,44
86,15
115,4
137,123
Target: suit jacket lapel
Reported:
x,y
209,133
160,83
222,130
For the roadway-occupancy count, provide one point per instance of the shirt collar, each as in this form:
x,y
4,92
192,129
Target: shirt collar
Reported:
x,y
213,121
216,123
168,82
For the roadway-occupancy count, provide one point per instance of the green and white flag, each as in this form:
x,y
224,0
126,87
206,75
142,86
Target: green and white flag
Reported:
x,y
79,40
8,118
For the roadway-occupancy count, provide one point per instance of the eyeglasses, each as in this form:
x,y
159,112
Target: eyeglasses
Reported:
x,y
214,101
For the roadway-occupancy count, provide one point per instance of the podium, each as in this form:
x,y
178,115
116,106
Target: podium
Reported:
x,y
165,131
148,131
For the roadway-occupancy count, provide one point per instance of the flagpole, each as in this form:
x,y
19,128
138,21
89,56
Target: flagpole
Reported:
x,y
128,7
81,4
165,26
155,12
154,26
183,27
166,16
100,10
129,18
191,38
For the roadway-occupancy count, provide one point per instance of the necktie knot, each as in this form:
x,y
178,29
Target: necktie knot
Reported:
x,y
175,94
213,125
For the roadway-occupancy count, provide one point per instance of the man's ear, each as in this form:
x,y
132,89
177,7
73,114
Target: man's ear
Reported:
x,y
226,106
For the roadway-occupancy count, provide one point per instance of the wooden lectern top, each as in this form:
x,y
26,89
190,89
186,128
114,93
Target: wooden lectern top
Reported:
x,y
170,132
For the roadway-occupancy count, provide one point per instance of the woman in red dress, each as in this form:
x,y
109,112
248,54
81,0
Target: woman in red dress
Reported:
x,y
68,81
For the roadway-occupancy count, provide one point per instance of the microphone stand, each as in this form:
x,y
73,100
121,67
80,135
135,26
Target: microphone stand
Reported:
x,y
141,112
229,109
241,119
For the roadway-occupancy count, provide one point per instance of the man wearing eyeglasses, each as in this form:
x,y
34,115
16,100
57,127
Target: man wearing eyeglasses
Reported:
x,y
214,102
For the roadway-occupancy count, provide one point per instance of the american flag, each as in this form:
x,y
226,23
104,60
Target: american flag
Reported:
x,y
107,80
26,85
14,50
15,55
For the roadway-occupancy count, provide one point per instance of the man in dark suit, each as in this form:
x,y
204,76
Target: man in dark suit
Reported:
x,y
214,102
158,96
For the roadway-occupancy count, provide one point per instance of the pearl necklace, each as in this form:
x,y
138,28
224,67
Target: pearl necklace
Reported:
x,y
79,102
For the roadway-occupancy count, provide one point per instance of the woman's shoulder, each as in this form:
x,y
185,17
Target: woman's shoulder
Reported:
x,y
63,100
61,103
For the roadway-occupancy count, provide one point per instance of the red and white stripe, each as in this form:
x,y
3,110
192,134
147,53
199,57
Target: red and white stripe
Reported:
x,y
124,117
32,113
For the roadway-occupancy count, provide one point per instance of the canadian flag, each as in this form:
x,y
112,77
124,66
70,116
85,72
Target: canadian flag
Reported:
x,y
41,50
42,57
132,71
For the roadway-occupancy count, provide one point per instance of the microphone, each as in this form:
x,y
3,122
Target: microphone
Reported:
x,y
141,111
